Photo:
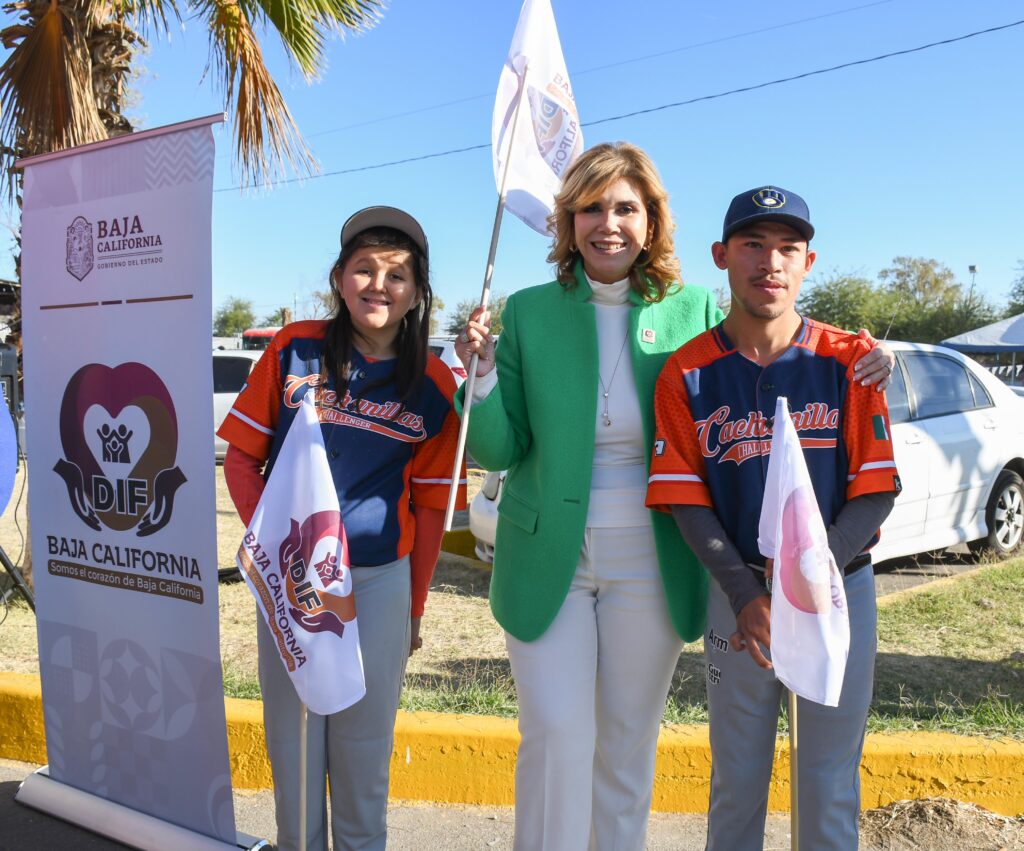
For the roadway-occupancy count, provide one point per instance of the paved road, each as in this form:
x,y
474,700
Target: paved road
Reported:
x,y
412,826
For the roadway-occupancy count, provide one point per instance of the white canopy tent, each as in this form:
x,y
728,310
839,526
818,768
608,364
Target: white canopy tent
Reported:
x,y
999,346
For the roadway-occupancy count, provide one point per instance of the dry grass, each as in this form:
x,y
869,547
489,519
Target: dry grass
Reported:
x,y
939,824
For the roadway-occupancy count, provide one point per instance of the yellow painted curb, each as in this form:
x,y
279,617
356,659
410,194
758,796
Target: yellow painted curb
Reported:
x,y
459,542
471,759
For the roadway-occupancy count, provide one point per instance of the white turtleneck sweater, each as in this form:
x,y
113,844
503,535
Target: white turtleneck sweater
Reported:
x,y
619,480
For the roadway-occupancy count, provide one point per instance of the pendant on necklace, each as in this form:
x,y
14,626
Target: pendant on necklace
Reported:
x,y
607,421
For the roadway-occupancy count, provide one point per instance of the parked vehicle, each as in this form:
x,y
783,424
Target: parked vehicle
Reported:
x,y
231,368
444,348
257,339
958,437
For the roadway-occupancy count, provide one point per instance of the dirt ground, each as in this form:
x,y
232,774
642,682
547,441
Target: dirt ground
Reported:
x,y
939,824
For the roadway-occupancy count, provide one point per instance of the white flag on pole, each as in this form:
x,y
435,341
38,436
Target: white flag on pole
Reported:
x,y
540,155
809,620
294,557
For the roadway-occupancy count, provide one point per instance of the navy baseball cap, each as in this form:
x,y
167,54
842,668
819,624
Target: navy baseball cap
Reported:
x,y
768,203
386,217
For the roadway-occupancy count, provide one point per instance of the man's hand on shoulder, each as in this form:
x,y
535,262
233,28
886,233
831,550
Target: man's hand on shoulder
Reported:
x,y
754,629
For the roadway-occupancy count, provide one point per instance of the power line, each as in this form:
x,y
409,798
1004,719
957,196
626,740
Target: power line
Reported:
x,y
596,68
649,110
805,75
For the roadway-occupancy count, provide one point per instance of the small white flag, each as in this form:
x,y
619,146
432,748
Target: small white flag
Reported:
x,y
294,558
809,620
543,150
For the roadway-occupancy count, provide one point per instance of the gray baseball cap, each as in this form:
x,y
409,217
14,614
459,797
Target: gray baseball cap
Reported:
x,y
384,217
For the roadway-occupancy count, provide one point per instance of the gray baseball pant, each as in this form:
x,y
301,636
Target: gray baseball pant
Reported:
x,y
351,747
743,707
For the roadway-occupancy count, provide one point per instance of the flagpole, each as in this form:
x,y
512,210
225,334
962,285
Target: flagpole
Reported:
x,y
485,296
794,791
303,783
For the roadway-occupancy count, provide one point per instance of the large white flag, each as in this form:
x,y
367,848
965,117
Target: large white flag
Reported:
x,y
294,557
545,147
810,622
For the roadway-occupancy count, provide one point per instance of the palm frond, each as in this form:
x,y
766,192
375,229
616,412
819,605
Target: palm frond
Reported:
x,y
146,16
46,83
300,31
304,24
266,137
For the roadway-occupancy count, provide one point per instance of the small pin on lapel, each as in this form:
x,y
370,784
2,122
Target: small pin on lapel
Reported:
x,y
647,335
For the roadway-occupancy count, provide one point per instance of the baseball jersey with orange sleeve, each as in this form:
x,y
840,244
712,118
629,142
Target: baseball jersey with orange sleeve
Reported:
x,y
386,457
714,410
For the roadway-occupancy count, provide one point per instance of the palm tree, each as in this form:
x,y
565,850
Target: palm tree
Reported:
x,y
63,82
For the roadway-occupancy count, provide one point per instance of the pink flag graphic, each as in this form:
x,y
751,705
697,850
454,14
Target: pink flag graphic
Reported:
x,y
809,619
294,558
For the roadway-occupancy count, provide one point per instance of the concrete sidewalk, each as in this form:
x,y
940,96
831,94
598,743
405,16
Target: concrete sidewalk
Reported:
x,y
412,826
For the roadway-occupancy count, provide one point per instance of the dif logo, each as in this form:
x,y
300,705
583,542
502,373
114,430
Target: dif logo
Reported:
x,y
119,434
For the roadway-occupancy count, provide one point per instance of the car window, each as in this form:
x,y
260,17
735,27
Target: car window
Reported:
x,y
982,399
436,350
229,374
896,397
940,384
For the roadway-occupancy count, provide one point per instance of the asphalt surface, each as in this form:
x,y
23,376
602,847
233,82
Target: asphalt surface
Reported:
x,y
415,826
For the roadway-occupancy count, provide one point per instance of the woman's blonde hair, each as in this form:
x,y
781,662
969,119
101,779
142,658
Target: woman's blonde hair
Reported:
x,y
657,267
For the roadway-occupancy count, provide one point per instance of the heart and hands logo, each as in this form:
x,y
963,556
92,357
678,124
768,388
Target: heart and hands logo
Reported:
x,y
320,599
119,434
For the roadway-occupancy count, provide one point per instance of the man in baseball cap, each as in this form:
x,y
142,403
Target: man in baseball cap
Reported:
x,y
714,405
768,203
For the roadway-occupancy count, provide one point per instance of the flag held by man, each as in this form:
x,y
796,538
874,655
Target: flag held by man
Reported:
x,y
810,623
545,146
294,558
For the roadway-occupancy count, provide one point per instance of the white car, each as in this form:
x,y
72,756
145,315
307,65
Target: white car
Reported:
x,y
444,348
231,368
958,437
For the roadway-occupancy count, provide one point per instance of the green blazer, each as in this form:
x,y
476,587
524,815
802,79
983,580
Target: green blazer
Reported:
x,y
539,425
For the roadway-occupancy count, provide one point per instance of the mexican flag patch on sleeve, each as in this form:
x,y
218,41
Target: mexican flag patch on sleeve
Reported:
x,y
878,424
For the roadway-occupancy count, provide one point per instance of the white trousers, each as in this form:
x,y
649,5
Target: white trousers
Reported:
x,y
592,692
352,747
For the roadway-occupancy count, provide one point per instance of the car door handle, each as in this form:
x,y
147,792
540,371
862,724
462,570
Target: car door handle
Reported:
x,y
989,424
913,440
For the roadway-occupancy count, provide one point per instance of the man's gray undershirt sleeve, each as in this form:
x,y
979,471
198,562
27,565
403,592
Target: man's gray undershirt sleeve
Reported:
x,y
854,526
857,523
702,531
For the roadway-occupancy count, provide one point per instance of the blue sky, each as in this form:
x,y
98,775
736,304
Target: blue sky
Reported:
x,y
915,155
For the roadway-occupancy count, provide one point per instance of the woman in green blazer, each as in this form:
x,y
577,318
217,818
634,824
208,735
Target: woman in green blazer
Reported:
x,y
596,593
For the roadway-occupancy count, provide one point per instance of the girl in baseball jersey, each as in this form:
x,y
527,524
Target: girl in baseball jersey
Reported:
x,y
385,408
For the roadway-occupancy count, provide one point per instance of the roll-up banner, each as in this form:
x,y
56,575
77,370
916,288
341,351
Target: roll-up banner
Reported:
x,y
116,268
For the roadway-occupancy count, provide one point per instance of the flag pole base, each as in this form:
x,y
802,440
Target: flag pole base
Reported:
x,y
116,821
794,776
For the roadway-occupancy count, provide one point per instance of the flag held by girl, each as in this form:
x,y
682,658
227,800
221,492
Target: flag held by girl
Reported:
x,y
810,624
294,558
541,152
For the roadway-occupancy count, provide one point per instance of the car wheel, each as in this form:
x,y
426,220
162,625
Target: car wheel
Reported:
x,y
1004,516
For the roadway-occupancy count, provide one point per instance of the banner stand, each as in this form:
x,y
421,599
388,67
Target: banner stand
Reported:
x,y
115,821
